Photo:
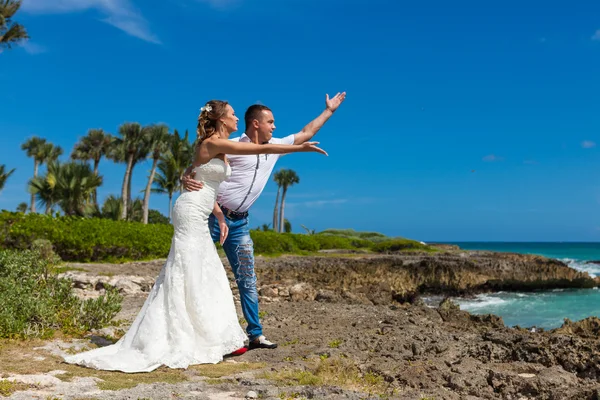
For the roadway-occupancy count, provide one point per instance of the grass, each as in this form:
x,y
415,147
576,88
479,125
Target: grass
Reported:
x,y
118,380
7,387
219,381
332,372
334,344
63,268
289,343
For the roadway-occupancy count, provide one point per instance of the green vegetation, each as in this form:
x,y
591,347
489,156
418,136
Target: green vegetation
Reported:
x,y
284,179
333,372
11,33
4,174
102,239
352,234
272,243
86,239
8,387
34,301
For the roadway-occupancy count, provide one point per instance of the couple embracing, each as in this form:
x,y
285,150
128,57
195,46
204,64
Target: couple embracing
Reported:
x,y
189,316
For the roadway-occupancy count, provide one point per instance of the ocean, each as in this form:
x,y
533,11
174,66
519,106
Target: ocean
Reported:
x,y
541,309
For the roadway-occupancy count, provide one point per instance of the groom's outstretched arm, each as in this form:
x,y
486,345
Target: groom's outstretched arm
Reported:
x,y
313,126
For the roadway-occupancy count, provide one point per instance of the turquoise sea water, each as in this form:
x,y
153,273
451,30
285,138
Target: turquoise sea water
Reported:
x,y
542,309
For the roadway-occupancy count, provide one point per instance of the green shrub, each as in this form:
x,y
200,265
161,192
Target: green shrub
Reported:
x,y
86,239
155,217
95,239
337,242
278,243
305,242
375,237
34,301
398,245
271,242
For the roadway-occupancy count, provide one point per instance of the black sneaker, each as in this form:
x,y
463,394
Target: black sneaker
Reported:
x,y
261,342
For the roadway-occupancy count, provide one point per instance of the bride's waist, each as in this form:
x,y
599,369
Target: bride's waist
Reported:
x,y
205,194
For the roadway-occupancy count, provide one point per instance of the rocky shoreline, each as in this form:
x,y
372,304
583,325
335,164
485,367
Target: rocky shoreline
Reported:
x,y
353,326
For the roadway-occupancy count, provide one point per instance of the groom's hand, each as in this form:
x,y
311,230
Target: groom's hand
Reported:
x,y
189,183
333,103
313,126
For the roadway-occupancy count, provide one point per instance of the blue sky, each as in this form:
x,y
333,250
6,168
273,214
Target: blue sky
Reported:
x,y
464,120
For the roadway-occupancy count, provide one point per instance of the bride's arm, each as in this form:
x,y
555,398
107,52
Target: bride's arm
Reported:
x,y
220,146
217,212
223,228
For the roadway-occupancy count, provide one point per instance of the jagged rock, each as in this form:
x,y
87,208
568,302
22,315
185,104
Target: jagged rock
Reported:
x,y
327,296
586,328
126,284
268,292
302,291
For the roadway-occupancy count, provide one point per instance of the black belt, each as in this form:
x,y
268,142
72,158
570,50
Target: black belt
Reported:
x,y
233,214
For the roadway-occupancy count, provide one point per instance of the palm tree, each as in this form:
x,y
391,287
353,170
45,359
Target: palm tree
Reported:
x,y
41,151
112,207
158,140
309,231
131,147
92,147
278,179
43,191
135,212
22,207
4,175
10,32
182,152
167,180
288,178
73,184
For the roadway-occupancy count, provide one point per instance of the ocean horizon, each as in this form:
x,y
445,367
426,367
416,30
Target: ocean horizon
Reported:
x,y
546,309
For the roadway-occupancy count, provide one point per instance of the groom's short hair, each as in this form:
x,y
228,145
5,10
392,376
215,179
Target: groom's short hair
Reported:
x,y
254,112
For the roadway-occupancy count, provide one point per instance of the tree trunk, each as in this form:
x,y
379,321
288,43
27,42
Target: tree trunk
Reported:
x,y
124,194
170,205
35,174
276,209
95,193
48,208
281,209
147,194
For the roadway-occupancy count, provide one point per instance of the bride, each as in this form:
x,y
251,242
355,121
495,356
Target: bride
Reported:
x,y
189,316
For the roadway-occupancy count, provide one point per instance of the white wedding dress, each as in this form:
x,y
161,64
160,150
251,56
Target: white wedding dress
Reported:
x,y
189,316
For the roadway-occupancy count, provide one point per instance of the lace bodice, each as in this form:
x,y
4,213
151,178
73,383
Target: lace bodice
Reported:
x,y
216,170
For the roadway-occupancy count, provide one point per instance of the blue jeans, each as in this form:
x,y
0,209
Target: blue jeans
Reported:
x,y
239,249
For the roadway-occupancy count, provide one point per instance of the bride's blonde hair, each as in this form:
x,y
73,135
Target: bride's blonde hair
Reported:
x,y
209,118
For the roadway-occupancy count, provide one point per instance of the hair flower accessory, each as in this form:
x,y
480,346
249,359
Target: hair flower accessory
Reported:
x,y
206,108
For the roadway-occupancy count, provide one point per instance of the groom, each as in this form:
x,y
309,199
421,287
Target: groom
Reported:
x,y
249,176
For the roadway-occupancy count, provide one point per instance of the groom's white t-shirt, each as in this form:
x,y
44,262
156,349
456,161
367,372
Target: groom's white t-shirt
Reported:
x,y
249,176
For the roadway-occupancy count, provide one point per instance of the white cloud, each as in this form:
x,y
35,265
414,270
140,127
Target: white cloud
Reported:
x,y
118,13
596,36
318,203
33,48
588,144
221,4
492,158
